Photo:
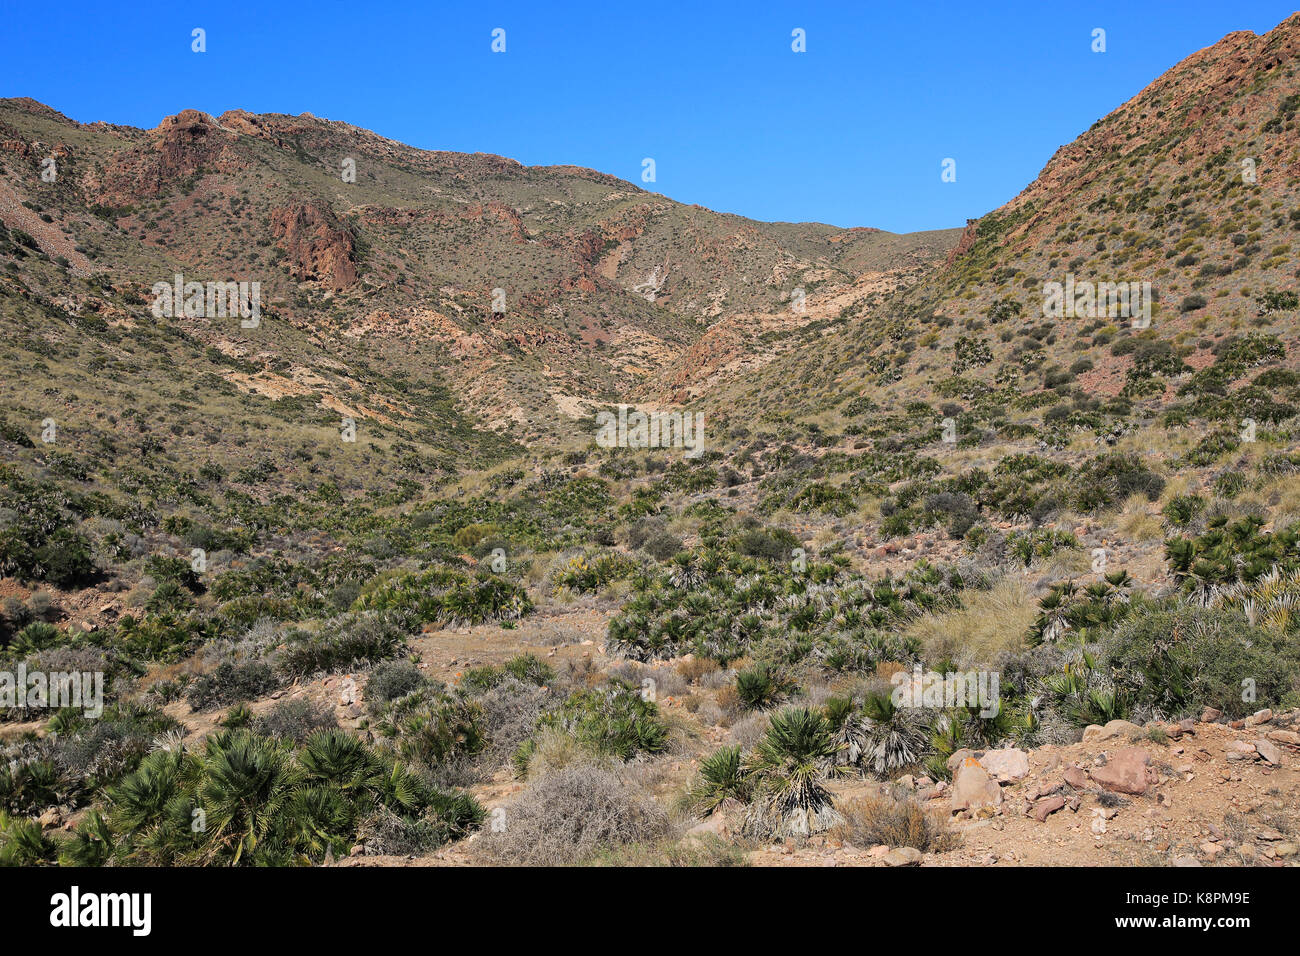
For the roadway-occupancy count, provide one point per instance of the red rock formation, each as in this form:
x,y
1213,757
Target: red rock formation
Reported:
x,y
182,146
319,249
964,243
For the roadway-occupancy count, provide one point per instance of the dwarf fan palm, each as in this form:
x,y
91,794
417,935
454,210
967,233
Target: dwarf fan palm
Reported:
x,y
247,783
787,767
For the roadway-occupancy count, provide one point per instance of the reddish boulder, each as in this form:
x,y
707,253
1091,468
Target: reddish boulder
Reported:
x,y
1125,772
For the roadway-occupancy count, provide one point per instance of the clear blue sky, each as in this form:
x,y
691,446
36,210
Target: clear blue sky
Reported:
x,y
852,132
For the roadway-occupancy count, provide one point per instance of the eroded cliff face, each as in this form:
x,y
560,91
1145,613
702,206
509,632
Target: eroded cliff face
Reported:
x,y
317,247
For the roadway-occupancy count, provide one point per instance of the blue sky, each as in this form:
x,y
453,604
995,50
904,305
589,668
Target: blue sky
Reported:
x,y
852,132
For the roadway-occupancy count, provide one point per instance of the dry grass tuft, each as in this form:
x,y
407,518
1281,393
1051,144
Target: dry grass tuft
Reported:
x,y
1139,520
894,821
988,622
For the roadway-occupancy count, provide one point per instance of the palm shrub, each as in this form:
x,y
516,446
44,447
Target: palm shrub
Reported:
x,y
787,766
1229,553
1181,510
845,720
35,637
249,799
30,784
91,843
1082,691
587,573
888,737
722,777
1069,608
1272,601
247,784
23,842
966,728
757,688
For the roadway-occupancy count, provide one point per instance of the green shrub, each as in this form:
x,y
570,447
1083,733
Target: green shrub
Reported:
x,y
1179,659
431,728
231,682
391,680
343,643
614,719
445,596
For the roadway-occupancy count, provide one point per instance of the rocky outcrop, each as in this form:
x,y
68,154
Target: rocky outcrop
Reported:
x,y
183,146
965,242
317,247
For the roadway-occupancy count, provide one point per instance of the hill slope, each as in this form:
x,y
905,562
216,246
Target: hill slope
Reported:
x,y
1192,186
373,249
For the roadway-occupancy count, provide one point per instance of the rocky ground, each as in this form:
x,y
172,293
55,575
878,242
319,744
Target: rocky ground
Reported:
x,y
1196,793
1190,794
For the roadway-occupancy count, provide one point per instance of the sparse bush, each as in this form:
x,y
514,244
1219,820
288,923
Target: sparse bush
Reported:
x,y
570,815
344,642
231,682
296,720
390,680
893,820
1178,659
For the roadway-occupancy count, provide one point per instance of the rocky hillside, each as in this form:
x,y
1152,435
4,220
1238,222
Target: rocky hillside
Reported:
x,y
1192,186
372,248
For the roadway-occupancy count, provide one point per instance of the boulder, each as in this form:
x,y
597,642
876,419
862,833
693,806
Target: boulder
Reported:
x,y
958,758
903,856
1046,807
713,825
1117,728
1076,778
1124,772
1006,765
1269,751
973,788
50,818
